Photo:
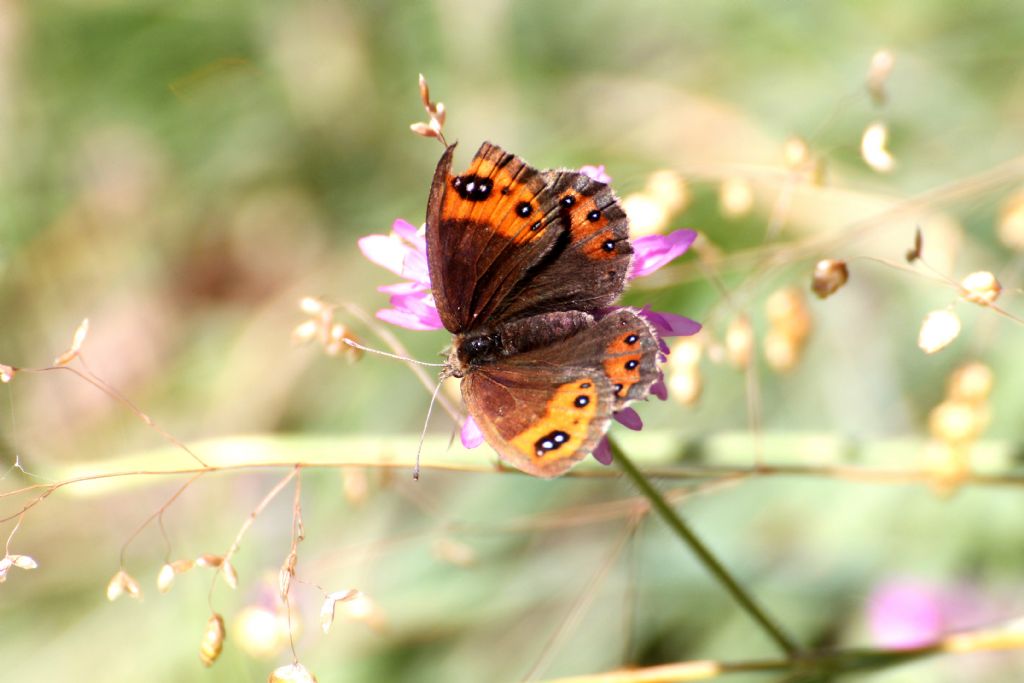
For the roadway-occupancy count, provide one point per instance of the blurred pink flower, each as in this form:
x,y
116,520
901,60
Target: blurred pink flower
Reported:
x,y
904,614
907,613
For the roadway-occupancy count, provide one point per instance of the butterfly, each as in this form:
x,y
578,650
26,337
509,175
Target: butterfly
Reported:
x,y
525,266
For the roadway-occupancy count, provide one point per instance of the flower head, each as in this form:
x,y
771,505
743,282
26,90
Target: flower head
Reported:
x,y
404,252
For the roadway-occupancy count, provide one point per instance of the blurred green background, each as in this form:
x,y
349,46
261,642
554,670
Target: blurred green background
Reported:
x,y
183,173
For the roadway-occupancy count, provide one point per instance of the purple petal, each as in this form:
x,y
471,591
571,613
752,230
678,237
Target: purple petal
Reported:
x,y
471,435
414,311
596,173
385,251
420,304
659,389
603,452
409,321
669,324
404,288
414,267
629,418
406,230
651,252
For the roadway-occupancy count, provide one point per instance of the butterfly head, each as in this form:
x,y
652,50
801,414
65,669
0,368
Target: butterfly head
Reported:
x,y
474,350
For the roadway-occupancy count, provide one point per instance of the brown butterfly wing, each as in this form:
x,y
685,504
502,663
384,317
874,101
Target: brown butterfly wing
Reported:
x,y
587,267
547,409
485,229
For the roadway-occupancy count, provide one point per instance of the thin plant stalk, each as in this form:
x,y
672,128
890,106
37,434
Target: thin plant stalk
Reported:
x,y
704,554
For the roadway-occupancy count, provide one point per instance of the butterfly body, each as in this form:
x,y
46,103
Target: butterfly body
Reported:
x,y
524,267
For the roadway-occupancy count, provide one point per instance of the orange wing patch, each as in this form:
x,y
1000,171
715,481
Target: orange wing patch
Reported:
x,y
557,436
500,191
588,221
623,360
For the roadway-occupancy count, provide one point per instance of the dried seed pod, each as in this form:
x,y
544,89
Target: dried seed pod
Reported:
x,y
829,276
667,188
121,583
424,129
796,154
286,574
261,631
291,673
958,422
327,608
788,313
425,93
971,383
878,74
873,148
355,484
1011,221
310,305
212,643
19,561
454,552
209,560
647,216
739,342
914,253
938,330
165,578
76,344
686,353
305,332
354,605
981,288
781,350
23,562
685,385
168,572
230,575
736,196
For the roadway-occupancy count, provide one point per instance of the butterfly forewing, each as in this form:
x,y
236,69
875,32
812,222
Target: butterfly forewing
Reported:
x,y
486,229
587,267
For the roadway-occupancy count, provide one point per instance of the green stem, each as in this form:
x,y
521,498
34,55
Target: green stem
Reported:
x,y
710,562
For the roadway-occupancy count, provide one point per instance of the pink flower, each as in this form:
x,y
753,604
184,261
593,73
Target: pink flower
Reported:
x,y
404,252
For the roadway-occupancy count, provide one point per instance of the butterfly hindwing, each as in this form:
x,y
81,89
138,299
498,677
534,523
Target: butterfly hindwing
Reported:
x,y
546,409
630,359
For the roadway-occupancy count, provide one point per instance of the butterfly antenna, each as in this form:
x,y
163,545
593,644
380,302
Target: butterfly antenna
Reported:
x,y
359,346
426,423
